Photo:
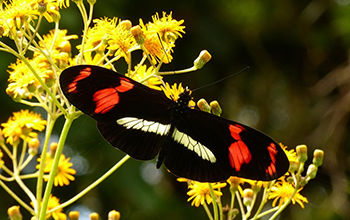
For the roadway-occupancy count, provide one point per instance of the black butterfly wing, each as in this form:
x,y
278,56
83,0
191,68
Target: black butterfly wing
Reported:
x,y
131,116
208,148
137,119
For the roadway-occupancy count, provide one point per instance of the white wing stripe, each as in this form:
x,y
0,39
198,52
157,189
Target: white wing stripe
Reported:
x,y
163,129
194,145
144,125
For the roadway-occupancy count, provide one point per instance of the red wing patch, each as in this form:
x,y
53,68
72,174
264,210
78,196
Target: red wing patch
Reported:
x,y
271,169
239,153
84,73
106,99
125,85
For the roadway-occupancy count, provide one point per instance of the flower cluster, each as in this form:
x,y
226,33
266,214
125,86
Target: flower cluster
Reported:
x,y
33,81
282,191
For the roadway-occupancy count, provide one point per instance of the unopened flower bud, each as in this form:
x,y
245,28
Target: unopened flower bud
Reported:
x,y
113,215
203,105
248,195
94,216
215,108
290,179
318,157
137,32
126,24
294,166
302,153
302,182
91,2
50,80
256,188
53,148
31,87
33,146
311,171
74,215
202,59
14,213
42,7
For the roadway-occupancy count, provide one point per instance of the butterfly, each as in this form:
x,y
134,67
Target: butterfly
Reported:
x,y
144,123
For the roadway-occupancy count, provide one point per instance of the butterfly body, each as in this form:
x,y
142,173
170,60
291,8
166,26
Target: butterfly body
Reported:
x,y
143,123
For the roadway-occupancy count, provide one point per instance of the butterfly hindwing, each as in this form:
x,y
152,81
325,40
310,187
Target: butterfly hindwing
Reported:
x,y
213,148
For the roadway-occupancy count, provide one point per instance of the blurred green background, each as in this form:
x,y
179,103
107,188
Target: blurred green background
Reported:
x,y
297,90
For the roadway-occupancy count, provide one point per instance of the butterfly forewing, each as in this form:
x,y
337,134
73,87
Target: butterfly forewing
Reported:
x,y
106,95
143,122
132,117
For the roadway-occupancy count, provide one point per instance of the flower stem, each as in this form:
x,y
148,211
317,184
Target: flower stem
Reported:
x,y
215,207
240,203
48,189
263,199
19,200
206,208
39,186
33,35
191,69
8,152
93,185
25,163
25,189
23,153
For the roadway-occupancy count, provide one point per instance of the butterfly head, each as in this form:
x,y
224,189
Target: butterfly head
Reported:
x,y
185,97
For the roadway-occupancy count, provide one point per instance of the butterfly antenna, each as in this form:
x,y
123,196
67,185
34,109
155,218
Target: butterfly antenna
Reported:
x,y
212,83
161,43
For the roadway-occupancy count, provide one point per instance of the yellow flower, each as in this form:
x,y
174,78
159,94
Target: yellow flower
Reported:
x,y
146,76
236,183
111,34
155,47
291,154
22,81
121,41
58,214
18,13
168,28
63,3
200,192
59,39
21,124
64,172
282,191
256,185
4,29
99,33
48,8
174,91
